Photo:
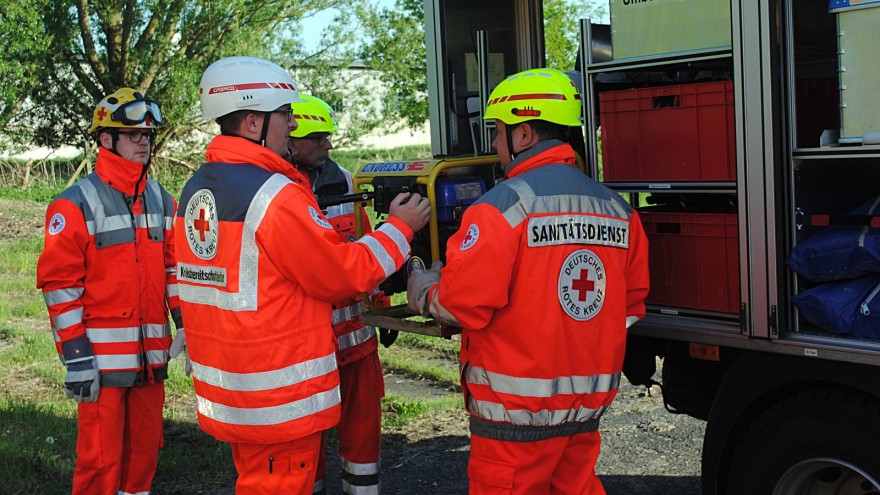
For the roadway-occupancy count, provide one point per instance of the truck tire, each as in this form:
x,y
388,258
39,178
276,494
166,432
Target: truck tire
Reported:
x,y
816,443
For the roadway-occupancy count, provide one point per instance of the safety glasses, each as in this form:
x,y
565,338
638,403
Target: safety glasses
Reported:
x,y
138,111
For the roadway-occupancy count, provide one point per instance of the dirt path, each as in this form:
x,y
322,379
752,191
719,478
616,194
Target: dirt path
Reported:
x,y
20,219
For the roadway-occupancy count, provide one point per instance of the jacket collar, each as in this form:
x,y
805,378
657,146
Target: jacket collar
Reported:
x,y
543,153
119,173
234,149
330,175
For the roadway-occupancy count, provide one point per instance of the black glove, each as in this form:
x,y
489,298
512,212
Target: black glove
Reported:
x,y
82,382
387,337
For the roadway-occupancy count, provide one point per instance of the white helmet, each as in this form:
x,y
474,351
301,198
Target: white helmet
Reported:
x,y
245,83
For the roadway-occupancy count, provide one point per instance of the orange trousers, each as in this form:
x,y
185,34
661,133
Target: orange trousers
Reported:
x,y
287,467
118,441
556,466
361,387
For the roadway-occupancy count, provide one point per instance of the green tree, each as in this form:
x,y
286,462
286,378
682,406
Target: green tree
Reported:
x,y
160,47
25,45
398,52
334,74
562,32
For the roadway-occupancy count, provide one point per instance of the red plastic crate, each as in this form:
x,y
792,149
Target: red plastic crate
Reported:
x,y
694,260
682,133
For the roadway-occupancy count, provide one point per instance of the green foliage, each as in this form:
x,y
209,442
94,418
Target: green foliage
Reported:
x,y
353,159
160,47
37,447
441,368
25,45
561,30
398,410
18,258
398,51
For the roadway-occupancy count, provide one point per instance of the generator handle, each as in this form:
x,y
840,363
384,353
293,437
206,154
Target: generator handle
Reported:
x,y
329,201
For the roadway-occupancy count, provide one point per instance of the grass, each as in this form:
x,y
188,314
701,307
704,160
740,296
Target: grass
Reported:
x,y
37,422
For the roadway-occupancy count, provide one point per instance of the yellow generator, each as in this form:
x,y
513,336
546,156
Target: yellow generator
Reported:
x,y
451,185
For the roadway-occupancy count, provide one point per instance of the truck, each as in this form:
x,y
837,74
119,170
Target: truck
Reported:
x,y
747,134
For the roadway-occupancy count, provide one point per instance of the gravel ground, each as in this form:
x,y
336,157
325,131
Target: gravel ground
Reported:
x,y
646,451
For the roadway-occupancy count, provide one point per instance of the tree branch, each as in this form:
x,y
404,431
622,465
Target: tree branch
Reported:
x,y
91,53
127,26
74,63
158,57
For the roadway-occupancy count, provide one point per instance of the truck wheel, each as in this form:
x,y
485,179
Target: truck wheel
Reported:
x,y
816,443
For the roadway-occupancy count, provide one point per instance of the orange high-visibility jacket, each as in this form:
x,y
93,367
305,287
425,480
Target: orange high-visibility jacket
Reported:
x,y
354,340
541,276
257,265
108,269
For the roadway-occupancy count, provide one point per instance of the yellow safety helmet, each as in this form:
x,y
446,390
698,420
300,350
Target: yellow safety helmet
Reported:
x,y
312,114
535,94
126,109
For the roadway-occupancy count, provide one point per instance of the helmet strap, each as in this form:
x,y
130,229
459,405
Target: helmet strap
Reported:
x,y
115,137
508,130
265,130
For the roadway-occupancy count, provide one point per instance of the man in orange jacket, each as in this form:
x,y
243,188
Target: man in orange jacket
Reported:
x,y
258,265
545,275
361,382
108,273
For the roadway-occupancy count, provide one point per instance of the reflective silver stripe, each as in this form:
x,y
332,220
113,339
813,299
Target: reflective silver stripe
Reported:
x,y
381,255
90,193
114,335
110,224
441,313
340,210
542,387
265,380
357,337
68,319
59,296
347,313
157,330
120,492
397,236
157,357
359,469
246,298
118,361
350,489
523,417
318,487
530,204
171,290
155,220
265,416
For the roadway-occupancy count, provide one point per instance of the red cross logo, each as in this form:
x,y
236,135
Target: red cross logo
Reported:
x,y
201,225
102,113
56,222
470,238
583,285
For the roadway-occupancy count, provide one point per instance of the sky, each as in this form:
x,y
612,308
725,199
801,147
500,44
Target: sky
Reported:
x,y
312,29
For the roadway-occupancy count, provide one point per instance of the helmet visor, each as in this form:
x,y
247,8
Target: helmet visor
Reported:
x,y
137,112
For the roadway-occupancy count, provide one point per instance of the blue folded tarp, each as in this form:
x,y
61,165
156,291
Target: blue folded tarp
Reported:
x,y
850,307
840,252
